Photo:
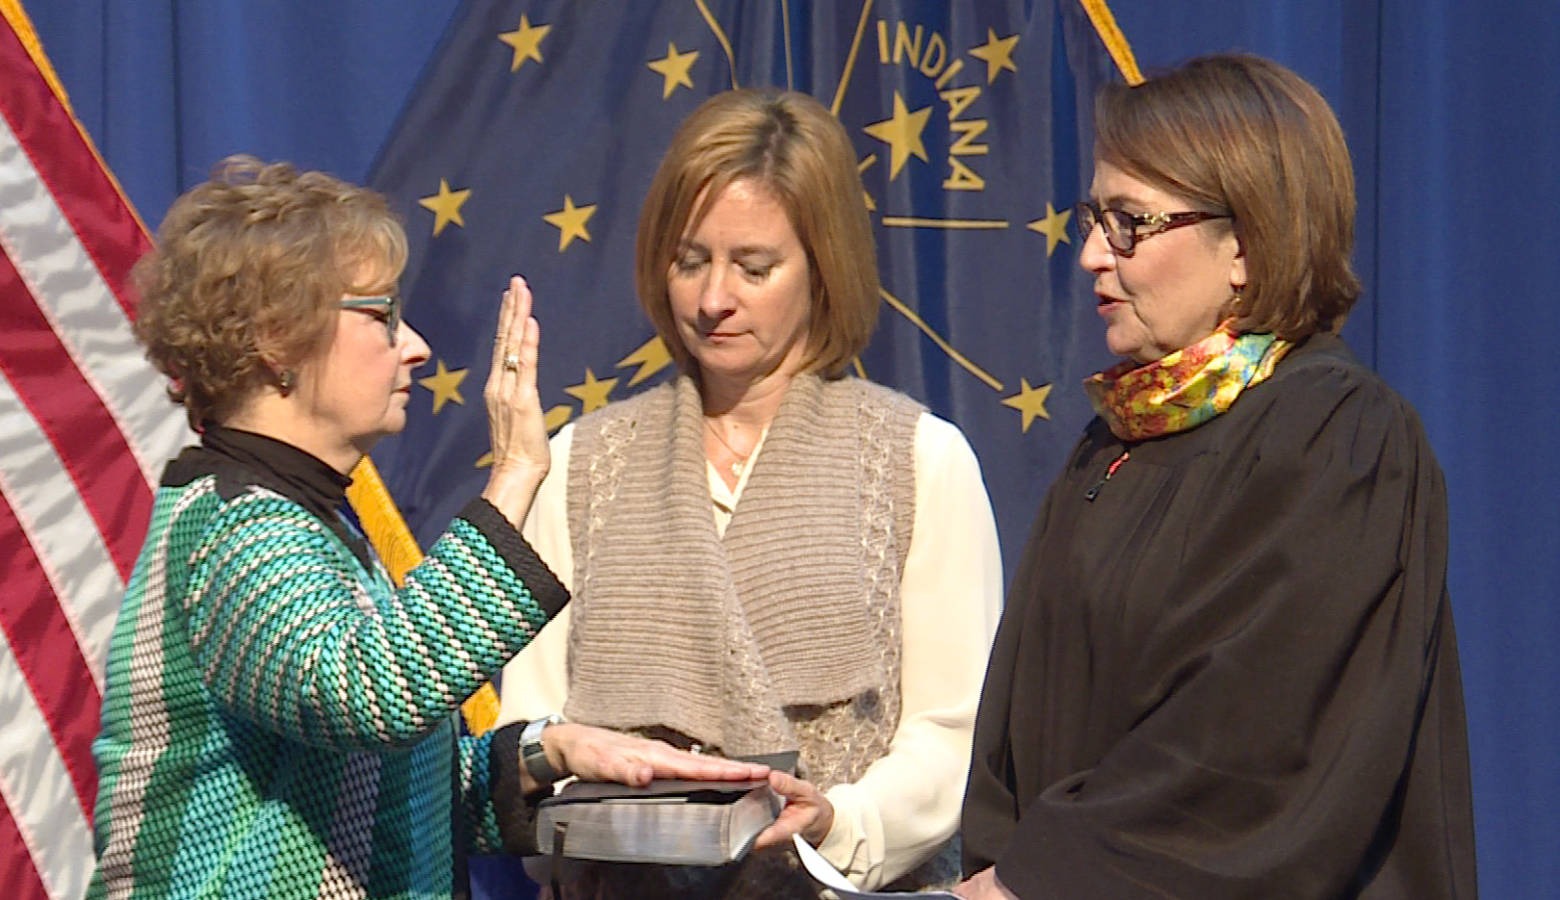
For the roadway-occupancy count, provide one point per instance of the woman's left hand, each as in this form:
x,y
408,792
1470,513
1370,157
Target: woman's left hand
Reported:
x,y
807,812
600,754
983,885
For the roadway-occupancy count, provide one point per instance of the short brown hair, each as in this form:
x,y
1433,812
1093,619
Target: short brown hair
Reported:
x,y
246,274
1244,135
789,143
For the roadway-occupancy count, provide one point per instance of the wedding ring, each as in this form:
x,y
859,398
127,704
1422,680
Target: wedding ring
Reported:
x,y
512,362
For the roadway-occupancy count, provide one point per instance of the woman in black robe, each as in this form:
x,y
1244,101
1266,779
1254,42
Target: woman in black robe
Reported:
x,y
1226,667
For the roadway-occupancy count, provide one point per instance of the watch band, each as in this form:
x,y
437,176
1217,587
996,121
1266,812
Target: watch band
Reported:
x,y
533,756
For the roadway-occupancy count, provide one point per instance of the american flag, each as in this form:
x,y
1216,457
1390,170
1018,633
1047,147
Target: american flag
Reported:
x,y
85,427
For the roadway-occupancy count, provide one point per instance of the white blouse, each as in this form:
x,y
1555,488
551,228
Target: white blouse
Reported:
x,y
907,802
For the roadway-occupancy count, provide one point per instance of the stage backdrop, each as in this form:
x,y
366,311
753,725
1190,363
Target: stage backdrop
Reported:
x,y
551,115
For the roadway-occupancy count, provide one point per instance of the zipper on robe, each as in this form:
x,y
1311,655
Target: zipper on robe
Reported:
x,y
1110,470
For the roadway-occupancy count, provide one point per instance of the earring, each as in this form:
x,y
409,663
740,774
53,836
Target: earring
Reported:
x,y
285,381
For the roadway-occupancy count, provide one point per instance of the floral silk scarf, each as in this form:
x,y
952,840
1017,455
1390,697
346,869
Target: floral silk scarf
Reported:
x,y
1183,389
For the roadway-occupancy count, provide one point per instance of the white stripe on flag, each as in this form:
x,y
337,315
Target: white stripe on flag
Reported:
x,y
34,481
38,791
81,308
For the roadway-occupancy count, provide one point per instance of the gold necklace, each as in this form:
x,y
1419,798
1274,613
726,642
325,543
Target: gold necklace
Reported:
x,y
737,464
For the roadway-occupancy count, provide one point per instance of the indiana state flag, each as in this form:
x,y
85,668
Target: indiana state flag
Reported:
x,y
532,141
533,138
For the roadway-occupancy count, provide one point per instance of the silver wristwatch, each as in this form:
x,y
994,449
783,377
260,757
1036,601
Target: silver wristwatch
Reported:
x,y
533,756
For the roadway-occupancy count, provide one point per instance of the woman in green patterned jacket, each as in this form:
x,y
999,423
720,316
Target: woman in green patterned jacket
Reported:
x,y
278,715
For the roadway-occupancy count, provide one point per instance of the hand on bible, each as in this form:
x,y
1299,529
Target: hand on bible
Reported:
x,y
807,812
599,754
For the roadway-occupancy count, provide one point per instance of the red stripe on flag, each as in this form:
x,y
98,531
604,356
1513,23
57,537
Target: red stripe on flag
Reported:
x,y
69,411
88,197
16,867
45,649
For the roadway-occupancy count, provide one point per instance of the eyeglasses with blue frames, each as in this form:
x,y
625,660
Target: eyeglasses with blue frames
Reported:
x,y
1123,230
387,309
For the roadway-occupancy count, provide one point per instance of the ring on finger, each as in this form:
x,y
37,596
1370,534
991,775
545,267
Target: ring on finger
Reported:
x,y
512,362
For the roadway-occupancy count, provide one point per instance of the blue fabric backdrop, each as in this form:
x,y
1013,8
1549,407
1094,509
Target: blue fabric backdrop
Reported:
x,y
1453,115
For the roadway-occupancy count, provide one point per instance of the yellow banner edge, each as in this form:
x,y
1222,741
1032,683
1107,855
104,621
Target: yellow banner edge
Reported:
x,y
22,26
1115,42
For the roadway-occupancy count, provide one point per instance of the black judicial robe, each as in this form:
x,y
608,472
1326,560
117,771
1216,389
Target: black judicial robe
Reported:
x,y
1232,673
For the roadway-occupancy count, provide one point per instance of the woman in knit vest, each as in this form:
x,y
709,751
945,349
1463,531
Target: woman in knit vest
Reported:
x,y
767,555
278,715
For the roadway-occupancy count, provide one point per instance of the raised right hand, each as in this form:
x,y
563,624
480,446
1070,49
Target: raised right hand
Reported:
x,y
515,423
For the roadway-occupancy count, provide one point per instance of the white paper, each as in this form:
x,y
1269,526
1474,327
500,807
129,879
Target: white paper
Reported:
x,y
830,877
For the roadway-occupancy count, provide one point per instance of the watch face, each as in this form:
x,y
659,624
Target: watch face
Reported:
x,y
533,755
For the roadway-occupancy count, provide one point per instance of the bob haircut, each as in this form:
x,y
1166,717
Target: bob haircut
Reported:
x,y
244,280
788,143
1246,136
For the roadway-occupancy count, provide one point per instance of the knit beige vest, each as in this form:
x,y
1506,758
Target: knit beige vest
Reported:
x,y
785,633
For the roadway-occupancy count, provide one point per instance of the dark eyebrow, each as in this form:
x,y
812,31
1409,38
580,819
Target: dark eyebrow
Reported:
x,y
1117,201
745,251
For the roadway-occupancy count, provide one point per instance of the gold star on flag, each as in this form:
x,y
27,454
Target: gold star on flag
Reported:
x,y
1053,226
445,384
527,41
446,206
902,134
651,357
570,222
673,67
997,54
1030,401
557,417
592,393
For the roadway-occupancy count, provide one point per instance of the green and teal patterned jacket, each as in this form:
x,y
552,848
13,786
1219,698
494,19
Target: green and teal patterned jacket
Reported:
x,y
278,717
